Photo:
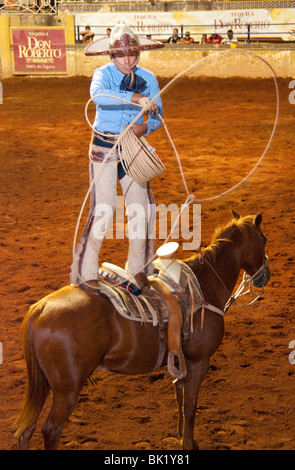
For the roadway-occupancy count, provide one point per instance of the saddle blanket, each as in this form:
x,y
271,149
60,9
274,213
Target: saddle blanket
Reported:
x,y
144,307
147,305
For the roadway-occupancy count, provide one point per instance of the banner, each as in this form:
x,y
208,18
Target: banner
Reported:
x,y
77,6
39,50
264,23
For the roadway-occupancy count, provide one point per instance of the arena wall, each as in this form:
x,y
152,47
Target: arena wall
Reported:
x,y
223,63
166,62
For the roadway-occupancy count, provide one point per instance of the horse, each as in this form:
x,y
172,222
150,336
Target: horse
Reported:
x,y
71,332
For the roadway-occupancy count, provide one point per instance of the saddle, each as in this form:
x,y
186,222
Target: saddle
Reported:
x,y
175,323
160,298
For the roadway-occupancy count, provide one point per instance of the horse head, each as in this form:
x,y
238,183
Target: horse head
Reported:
x,y
255,263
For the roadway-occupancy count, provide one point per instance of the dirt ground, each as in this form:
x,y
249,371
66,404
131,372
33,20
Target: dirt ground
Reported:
x,y
220,128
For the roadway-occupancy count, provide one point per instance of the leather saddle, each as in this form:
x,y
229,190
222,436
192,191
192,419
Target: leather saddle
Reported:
x,y
163,297
175,323
157,298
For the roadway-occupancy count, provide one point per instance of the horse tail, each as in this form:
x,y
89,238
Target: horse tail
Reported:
x,y
37,384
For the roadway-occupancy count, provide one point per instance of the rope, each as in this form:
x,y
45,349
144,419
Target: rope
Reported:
x,y
139,159
119,138
275,121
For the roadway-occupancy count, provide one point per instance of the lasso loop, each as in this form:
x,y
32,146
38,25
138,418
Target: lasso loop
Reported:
x,y
190,197
170,83
274,125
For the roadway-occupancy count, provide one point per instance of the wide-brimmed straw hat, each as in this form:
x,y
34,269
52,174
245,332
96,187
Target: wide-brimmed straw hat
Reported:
x,y
122,39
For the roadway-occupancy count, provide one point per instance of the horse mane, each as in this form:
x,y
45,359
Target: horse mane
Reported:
x,y
226,233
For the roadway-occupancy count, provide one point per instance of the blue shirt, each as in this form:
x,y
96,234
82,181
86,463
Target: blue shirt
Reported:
x,y
113,115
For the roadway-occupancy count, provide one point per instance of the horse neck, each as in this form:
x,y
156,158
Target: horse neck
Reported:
x,y
218,274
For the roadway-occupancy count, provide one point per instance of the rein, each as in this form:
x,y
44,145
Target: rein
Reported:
x,y
246,281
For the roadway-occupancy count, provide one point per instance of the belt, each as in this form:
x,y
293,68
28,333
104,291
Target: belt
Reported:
x,y
107,136
107,140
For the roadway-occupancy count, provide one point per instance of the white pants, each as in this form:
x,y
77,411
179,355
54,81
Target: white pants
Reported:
x,y
105,194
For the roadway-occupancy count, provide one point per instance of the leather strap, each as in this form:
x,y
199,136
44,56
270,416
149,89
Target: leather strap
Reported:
x,y
162,342
175,319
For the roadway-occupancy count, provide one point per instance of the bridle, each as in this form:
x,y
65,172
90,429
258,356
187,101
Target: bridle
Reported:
x,y
258,281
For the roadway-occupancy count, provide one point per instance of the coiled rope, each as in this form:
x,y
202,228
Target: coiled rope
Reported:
x,y
139,159
120,138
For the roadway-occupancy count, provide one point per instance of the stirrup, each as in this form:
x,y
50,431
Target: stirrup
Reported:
x,y
178,373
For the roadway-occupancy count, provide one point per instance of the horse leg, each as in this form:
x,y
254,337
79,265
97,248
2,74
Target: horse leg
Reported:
x,y
24,440
26,435
179,399
66,371
192,383
66,379
62,407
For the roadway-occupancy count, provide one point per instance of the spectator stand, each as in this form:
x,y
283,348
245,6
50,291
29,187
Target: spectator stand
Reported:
x,y
246,35
48,7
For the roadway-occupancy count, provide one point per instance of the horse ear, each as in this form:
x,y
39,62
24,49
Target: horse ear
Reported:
x,y
258,220
235,214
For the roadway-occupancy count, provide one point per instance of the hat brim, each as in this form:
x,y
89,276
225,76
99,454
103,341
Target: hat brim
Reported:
x,y
102,46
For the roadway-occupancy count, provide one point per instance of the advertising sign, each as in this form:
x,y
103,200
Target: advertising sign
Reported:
x,y
263,23
39,50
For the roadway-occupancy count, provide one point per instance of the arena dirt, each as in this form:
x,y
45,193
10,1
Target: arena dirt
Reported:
x,y
220,128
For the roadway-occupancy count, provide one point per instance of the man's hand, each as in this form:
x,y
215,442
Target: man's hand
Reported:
x,y
139,129
145,102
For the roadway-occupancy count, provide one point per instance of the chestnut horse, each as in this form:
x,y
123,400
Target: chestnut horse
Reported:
x,y
70,333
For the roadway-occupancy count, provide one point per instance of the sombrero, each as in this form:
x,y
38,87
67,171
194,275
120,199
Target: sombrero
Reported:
x,y
122,39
